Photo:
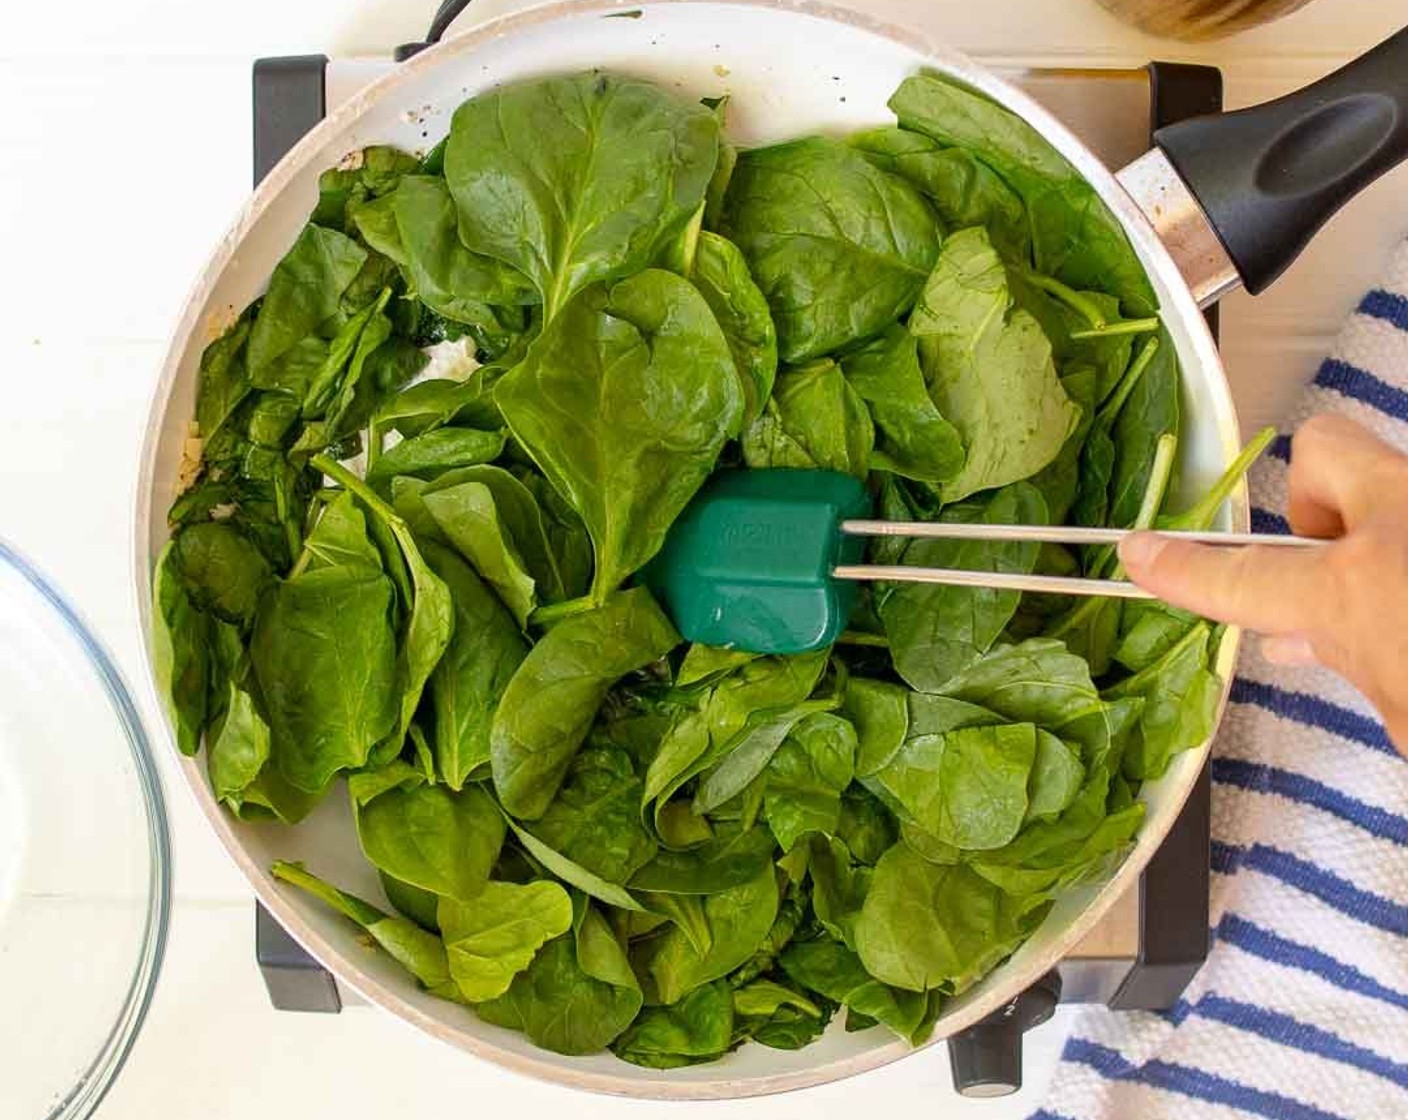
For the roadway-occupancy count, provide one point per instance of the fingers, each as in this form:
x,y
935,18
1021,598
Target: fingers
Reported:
x,y
1276,591
1337,473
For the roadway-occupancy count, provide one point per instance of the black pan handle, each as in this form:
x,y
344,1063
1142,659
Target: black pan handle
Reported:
x,y
1270,176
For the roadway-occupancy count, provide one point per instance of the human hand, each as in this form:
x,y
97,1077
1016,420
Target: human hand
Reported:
x,y
1344,606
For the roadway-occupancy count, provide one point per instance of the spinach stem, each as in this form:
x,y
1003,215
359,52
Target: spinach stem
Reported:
x,y
1157,487
1081,304
1119,327
1200,515
300,565
373,443
861,638
365,494
1110,410
556,612
1159,474
349,906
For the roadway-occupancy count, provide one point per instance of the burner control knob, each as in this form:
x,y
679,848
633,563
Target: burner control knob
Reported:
x,y
986,1059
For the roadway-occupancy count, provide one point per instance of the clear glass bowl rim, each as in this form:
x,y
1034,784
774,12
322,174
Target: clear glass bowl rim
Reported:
x,y
98,1076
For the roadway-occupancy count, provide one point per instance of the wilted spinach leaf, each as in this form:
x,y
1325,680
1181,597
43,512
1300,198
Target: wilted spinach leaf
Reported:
x,y
550,703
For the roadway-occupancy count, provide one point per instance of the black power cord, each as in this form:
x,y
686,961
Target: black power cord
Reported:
x,y
449,11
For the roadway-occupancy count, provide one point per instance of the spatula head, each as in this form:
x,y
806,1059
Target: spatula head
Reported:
x,y
748,564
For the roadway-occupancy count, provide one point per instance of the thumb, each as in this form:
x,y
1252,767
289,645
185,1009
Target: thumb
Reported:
x,y
1269,589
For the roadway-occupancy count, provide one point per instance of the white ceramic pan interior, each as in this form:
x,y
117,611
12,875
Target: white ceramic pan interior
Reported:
x,y
790,68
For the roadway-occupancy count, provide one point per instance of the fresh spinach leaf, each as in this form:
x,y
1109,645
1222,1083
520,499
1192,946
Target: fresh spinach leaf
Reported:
x,y
224,379
914,439
749,754
558,1000
968,787
699,1028
595,818
963,189
926,926
1181,693
305,292
453,281
417,951
495,936
1075,236
1056,778
577,180
739,920
806,777
706,665
180,658
722,277
839,247
469,516
814,420
440,450
989,367
324,655
428,835
834,971
221,569
732,858
625,402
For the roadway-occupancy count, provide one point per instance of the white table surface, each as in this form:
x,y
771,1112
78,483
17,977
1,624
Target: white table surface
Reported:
x,y
124,151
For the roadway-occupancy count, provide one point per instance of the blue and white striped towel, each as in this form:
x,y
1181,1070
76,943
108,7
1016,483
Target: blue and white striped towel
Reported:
x,y
1301,1012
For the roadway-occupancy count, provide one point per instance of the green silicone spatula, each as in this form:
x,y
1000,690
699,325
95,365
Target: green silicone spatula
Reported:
x,y
767,561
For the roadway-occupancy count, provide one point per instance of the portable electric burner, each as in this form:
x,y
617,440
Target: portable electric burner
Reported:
x,y
1145,951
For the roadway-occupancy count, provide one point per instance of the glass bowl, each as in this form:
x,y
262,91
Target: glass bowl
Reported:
x,y
85,869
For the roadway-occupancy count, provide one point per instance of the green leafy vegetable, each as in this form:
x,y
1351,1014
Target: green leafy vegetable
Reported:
x,y
467,684
722,277
913,438
549,705
989,367
1075,236
428,836
417,951
625,402
574,181
815,420
839,248
494,936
